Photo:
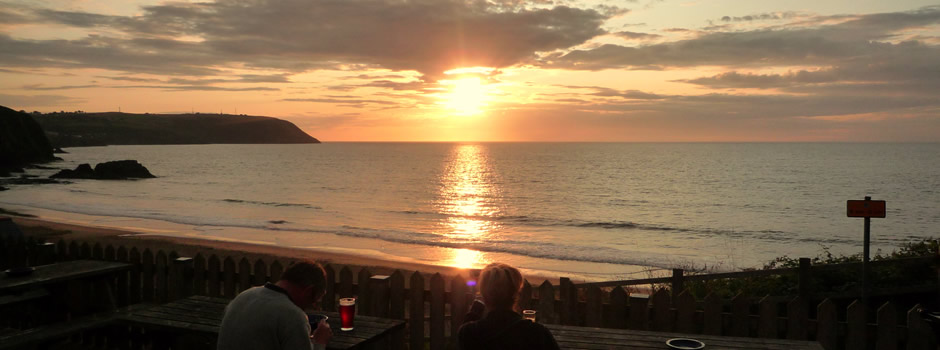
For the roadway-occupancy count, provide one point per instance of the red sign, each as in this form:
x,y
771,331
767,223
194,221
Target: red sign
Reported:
x,y
866,209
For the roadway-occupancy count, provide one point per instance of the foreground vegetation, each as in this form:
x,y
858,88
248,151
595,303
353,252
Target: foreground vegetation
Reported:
x,y
831,281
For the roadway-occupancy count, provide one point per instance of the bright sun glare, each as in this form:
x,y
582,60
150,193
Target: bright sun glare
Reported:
x,y
466,96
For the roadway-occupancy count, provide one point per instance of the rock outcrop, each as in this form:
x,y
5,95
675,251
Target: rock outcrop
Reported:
x,y
22,141
116,170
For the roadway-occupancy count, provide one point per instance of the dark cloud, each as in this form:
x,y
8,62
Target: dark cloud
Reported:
x,y
637,35
761,17
133,79
378,76
346,102
608,92
26,101
106,53
398,86
429,36
172,88
828,44
38,87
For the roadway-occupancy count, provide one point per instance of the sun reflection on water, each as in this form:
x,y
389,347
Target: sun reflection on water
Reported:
x,y
467,194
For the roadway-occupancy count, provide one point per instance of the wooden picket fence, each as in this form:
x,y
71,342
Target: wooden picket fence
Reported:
x,y
434,305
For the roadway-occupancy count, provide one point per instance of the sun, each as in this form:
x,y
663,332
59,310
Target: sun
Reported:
x,y
465,96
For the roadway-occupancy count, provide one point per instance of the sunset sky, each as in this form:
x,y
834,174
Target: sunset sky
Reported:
x,y
501,70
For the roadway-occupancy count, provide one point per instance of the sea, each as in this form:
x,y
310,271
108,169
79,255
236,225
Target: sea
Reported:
x,y
590,211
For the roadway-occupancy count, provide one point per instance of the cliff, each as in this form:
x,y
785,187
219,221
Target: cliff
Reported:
x,y
22,140
98,129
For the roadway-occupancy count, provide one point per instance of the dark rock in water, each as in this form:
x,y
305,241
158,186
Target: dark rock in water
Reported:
x,y
116,170
58,150
3,188
83,171
122,169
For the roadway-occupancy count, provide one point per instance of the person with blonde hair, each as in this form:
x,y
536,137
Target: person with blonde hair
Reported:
x,y
494,322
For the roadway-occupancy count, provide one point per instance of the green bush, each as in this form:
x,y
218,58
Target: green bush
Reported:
x,y
828,280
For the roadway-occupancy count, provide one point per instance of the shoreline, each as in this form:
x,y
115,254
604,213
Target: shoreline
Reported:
x,y
52,230
380,258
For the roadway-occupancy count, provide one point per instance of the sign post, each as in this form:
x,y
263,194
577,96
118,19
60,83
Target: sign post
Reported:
x,y
866,209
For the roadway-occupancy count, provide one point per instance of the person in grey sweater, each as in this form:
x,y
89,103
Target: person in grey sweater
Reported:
x,y
272,317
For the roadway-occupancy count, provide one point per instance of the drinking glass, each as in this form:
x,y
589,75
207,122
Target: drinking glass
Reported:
x,y
347,311
529,315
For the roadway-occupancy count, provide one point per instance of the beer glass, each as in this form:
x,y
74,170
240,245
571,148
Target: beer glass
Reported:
x,y
347,311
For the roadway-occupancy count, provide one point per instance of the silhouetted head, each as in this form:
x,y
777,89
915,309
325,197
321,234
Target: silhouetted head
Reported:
x,y
500,285
305,282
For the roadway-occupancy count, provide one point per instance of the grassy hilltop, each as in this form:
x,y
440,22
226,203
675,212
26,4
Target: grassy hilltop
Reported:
x,y
74,129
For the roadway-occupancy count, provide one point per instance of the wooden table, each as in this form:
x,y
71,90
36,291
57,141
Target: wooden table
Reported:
x,y
570,337
199,314
84,286
67,291
62,272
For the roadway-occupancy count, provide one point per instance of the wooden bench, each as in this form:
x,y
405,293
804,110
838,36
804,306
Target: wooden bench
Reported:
x,y
24,308
28,295
36,337
194,322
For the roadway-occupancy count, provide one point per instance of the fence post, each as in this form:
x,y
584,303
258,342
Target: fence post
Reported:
x,y
215,277
416,314
595,313
329,297
396,307
160,274
662,311
199,274
678,282
856,317
184,275
546,308
134,292
639,311
458,306
804,278
827,325
919,334
363,294
261,273
797,319
437,312
767,324
887,337
740,315
46,253
618,308
685,312
122,279
378,290
525,296
345,282
568,314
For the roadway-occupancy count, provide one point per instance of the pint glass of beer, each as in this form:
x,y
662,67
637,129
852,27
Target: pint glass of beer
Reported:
x,y
347,311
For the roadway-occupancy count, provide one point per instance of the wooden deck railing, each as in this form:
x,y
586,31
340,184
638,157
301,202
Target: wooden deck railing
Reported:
x,y
434,304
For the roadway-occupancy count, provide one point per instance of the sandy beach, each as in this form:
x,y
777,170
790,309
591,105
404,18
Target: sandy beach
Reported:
x,y
52,231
